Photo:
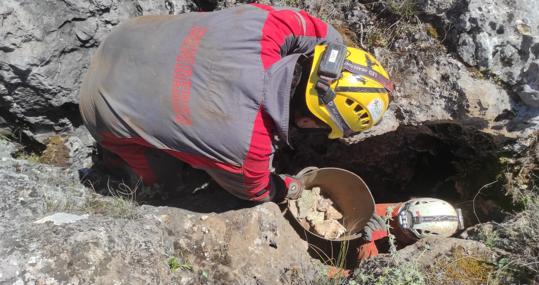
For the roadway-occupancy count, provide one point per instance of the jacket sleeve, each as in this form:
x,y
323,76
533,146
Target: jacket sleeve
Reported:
x,y
287,31
313,35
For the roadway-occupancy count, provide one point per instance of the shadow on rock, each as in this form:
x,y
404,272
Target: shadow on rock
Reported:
x,y
188,188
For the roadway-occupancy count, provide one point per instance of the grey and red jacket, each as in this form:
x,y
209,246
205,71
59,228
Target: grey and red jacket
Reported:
x,y
211,89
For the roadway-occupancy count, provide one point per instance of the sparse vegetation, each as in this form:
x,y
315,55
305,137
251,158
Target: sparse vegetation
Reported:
x,y
175,263
30,157
405,9
373,272
4,137
120,204
59,205
516,240
118,207
459,267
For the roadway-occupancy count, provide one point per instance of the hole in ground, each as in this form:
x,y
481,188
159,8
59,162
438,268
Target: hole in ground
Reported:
x,y
439,159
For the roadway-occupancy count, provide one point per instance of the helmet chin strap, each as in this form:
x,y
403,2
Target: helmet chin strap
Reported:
x,y
327,96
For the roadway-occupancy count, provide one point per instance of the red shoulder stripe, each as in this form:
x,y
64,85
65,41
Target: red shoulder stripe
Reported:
x,y
256,165
281,24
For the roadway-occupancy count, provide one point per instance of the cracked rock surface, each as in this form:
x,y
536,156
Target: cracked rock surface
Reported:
x,y
45,50
46,47
500,37
55,231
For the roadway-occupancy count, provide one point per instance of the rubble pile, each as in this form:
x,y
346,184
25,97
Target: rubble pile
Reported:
x,y
318,214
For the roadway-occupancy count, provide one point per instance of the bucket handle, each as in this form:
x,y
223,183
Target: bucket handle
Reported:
x,y
306,170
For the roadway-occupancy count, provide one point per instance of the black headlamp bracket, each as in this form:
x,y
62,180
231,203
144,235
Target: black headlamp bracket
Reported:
x,y
332,61
325,93
330,69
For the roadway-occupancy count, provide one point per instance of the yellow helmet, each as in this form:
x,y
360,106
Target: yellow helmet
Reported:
x,y
348,89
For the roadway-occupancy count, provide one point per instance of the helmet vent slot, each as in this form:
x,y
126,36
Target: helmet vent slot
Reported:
x,y
357,108
349,102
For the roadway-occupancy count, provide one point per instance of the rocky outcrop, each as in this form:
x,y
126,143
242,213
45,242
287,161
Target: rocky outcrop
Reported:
x,y
500,38
464,63
55,231
450,65
45,50
43,58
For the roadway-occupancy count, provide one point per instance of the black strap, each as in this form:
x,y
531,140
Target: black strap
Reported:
x,y
369,72
325,94
361,89
427,219
326,97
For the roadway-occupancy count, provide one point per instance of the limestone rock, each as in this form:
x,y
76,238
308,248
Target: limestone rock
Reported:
x,y
498,37
307,202
333,214
529,92
55,231
45,50
316,218
316,212
330,229
323,205
61,218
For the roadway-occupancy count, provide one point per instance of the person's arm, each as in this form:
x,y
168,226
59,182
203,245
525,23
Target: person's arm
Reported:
x,y
254,180
257,185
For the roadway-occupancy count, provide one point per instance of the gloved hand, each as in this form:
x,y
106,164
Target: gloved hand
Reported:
x,y
375,229
290,187
294,186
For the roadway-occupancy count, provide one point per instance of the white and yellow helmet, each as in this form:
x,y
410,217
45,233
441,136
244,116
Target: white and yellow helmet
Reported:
x,y
425,217
348,89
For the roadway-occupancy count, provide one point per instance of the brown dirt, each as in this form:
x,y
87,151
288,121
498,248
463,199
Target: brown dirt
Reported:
x,y
56,152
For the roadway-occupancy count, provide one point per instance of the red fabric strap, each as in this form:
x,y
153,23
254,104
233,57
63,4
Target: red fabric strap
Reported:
x,y
132,151
256,165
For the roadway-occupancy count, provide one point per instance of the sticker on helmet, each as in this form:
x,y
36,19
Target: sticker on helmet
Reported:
x,y
376,108
333,55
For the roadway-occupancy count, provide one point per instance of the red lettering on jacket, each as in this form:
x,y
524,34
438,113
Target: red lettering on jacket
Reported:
x,y
183,71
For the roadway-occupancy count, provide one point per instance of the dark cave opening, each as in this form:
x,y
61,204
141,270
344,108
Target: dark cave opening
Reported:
x,y
439,159
442,160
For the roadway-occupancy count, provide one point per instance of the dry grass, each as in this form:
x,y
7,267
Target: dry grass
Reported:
x,y
378,272
460,267
517,239
56,153
120,204
404,9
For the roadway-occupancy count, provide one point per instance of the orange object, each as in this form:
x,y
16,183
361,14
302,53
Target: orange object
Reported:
x,y
367,250
336,272
381,209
